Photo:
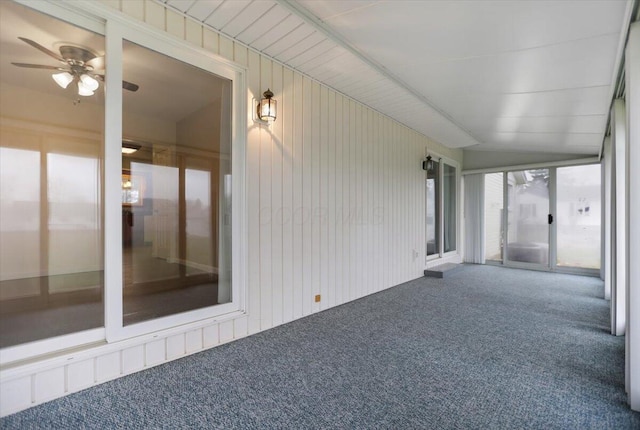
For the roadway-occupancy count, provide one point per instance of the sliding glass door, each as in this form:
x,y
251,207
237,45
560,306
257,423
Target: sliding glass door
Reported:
x,y
449,213
579,213
176,153
51,180
552,219
441,204
116,164
433,209
493,214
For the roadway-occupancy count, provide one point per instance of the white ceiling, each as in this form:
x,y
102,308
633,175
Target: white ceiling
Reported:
x,y
488,75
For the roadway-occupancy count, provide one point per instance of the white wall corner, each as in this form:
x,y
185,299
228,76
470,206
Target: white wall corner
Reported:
x,y
633,286
607,221
621,187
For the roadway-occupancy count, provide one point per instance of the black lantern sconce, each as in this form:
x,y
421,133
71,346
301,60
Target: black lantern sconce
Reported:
x,y
267,108
427,164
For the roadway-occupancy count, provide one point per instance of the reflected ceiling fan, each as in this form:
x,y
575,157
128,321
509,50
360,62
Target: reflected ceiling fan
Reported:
x,y
79,65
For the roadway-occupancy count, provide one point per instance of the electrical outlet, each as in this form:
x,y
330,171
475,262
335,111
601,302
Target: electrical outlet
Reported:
x,y
317,298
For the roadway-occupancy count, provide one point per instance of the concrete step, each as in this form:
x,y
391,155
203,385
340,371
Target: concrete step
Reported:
x,y
443,270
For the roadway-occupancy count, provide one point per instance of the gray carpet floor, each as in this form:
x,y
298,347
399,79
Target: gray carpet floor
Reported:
x,y
487,348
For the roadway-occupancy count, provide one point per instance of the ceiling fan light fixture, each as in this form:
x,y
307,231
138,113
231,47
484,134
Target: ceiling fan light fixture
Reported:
x,y
63,79
129,147
89,82
83,90
84,66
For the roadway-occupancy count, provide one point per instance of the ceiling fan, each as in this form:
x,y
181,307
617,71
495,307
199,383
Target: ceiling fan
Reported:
x,y
79,65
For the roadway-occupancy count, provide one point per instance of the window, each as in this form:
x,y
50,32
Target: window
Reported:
x,y
441,208
51,199
433,210
110,233
449,207
171,218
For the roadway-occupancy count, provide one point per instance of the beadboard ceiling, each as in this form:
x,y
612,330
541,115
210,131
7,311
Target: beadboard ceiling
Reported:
x,y
534,76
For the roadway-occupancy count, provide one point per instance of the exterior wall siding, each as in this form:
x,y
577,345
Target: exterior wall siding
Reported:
x,y
335,208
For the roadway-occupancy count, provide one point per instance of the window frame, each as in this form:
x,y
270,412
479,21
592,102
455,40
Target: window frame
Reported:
x,y
116,27
440,254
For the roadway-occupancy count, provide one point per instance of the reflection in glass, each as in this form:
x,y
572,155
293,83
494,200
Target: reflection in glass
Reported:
x,y
493,203
528,227
433,209
199,230
449,207
19,223
174,205
51,262
578,216
74,223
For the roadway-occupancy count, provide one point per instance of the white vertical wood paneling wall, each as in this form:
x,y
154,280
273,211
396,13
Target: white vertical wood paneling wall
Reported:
x,y
335,208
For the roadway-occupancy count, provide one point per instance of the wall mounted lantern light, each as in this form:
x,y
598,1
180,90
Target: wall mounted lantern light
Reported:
x,y
427,164
267,108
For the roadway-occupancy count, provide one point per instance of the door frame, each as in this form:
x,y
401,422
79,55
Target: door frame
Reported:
x,y
441,254
552,265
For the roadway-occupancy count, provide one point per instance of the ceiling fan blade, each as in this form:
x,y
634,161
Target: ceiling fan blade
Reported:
x,y
97,63
130,86
42,49
125,85
38,66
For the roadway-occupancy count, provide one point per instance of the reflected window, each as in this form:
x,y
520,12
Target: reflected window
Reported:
x,y
74,223
176,167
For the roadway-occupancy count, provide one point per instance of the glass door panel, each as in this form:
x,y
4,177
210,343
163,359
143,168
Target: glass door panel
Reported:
x,y
449,207
51,200
578,216
433,208
176,160
528,211
493,210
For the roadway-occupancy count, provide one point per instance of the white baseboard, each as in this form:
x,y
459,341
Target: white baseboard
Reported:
x,y
23,385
